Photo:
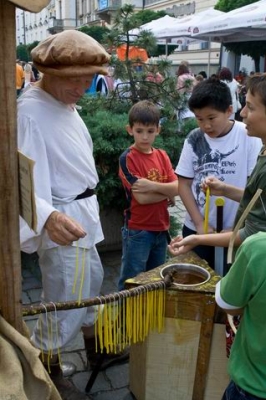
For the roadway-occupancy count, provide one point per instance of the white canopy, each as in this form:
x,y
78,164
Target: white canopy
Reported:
x,y
150,26
181,27
242,24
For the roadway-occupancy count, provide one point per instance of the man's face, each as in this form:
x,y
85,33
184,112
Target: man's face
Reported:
x,y
67,90
254,116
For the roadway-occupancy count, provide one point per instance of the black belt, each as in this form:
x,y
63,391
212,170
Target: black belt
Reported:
x,y
88,193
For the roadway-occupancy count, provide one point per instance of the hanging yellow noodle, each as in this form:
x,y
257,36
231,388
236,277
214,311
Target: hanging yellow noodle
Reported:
x,y
110,333
76,271
207,209
82,275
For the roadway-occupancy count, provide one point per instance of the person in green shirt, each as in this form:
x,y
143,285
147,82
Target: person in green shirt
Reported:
x,y
243,291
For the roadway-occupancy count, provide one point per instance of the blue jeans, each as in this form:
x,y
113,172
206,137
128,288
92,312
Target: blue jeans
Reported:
x,y
142,251
234,392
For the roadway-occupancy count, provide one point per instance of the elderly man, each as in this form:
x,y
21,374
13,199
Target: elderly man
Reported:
x,y
51,132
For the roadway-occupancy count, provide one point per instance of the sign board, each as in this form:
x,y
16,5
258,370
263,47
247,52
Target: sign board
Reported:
x,y
27,205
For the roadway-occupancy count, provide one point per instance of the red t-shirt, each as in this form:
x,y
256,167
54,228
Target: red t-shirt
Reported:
x,y
156,167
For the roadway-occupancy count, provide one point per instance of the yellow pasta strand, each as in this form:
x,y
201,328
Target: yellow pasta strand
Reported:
x,y
76,271
82,275
207,209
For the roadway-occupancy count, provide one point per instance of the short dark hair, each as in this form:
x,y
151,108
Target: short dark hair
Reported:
x,y
256,84
210,93
225,74
144,112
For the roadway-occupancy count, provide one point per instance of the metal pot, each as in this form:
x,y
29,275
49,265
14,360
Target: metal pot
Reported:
x,y
186,274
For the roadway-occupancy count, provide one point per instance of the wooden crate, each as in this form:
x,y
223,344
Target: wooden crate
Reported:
x,y
187,361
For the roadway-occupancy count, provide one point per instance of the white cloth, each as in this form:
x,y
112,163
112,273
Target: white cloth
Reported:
x,y
61,264
230,158
233,86
56,138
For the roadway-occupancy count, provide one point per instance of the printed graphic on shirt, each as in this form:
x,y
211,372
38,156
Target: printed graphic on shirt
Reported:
x,y
154,175
209,162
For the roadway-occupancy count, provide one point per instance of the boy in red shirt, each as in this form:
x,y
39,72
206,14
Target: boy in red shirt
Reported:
x,y
150,182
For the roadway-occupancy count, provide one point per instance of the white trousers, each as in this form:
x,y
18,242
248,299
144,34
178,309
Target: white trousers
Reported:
x,y
68,274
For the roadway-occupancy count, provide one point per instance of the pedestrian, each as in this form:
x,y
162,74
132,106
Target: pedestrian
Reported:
x,y
184,85
51,132
149,182
19,77
254,117
225,75
243,292
220,147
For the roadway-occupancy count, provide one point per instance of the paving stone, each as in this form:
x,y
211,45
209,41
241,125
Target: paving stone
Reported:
x,y
118,375
101,383
75,358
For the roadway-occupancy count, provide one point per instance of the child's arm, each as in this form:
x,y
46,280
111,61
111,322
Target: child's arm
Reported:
x,y
167,189
180,245
219,188
187,197
148,197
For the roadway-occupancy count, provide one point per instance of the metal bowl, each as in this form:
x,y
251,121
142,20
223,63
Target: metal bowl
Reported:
x,y
186,274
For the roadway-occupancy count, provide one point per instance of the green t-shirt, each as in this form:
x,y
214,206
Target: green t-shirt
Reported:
x,y
245,287
256,219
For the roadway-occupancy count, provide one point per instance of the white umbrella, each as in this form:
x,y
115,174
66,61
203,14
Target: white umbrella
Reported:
x,y
242,24
150,26
181,27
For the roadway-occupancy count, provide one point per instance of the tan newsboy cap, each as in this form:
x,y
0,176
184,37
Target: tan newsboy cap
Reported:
x,y
70,53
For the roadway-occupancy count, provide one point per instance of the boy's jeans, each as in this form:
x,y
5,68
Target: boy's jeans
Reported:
x,y
234,392
142,251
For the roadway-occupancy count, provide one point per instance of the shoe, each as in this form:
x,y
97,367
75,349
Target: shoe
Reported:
x,y
103,360
68,368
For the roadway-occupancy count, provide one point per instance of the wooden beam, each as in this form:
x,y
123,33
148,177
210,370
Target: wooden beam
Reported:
x,y
10,268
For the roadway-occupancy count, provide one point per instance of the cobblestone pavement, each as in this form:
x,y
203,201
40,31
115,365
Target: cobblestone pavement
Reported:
x,y
112,384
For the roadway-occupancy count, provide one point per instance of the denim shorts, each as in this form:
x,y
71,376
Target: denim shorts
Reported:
x,y
234,392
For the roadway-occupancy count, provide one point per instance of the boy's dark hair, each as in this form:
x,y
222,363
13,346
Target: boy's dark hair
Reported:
x,y
144,112
256,84
210,93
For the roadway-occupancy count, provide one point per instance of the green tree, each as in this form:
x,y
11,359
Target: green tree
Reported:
x,y
97,32
22,53
254,49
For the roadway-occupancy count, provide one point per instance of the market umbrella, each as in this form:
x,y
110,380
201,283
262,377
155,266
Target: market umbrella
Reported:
x,y
242,24
10,269
181,27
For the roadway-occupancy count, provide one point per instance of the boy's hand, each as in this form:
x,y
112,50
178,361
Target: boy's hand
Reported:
x,y
171,202
216,186
180,245
143,185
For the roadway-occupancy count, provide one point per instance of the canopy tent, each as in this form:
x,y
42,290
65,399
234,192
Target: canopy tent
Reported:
x,y
150,26
181,27
242,24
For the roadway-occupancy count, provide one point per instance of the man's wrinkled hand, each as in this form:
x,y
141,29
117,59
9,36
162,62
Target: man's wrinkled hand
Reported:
x,y
62,229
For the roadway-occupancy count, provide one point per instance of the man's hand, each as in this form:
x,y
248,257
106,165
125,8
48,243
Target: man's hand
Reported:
x,y
62,229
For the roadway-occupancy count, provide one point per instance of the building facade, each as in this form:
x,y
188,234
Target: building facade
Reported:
x,y
60,15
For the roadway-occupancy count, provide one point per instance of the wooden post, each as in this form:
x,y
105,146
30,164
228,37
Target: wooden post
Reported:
x,y
10,269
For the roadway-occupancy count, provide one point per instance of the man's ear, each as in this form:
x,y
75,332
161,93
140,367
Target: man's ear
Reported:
x,y
159,129
129,130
